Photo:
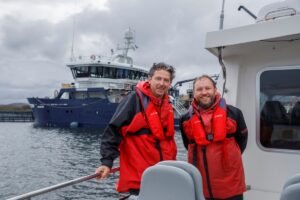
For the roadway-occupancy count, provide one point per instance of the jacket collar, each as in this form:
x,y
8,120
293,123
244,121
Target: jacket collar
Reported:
x,y
144,87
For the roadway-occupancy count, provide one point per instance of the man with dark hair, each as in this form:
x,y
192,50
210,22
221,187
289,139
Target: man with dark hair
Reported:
x,y
215,135
141,131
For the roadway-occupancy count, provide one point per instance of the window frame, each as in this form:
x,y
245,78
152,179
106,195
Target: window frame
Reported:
x,y
258,111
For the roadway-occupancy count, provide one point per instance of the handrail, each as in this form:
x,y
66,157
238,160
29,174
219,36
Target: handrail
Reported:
x,y
28,195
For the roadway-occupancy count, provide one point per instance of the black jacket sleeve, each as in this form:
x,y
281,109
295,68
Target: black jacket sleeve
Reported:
x,y
111,137
183,135
241,135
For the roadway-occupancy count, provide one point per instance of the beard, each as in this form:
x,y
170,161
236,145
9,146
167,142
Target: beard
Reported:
x,y
207,105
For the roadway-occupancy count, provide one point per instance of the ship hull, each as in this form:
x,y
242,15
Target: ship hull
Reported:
x,y
72,113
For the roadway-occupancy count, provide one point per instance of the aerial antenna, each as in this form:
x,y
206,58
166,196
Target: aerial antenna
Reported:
x,y
73,38
220,57
222,16
73,32
129,42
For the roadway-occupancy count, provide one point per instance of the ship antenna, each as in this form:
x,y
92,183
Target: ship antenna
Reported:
x,y
220,57
129,42
73,38
73,31
222,16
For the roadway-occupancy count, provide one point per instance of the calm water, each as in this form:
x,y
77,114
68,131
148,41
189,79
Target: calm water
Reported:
x,y
33,158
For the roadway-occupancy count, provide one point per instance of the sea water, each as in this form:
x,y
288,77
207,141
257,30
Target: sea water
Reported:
x,y
33,158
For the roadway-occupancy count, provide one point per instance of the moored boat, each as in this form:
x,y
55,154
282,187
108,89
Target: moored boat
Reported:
x,y
100,84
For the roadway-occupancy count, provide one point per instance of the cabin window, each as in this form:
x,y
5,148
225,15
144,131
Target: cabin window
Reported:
x,y
126,73
119,73
100,71
97,95
94,72
105,72
280,109
65,95
112,73
80,95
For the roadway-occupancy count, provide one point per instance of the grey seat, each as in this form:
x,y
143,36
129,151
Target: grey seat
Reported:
x,y
291,188
291,192
171,180
193,171
274,113
292,180
161,182
295,114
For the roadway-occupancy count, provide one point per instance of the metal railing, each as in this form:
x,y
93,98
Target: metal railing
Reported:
x,y
179,107
29,195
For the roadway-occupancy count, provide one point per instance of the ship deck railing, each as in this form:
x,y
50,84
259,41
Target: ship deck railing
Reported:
x,y
45,190
179,107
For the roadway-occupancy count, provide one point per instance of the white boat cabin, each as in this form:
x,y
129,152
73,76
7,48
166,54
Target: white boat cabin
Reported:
x,y
263,80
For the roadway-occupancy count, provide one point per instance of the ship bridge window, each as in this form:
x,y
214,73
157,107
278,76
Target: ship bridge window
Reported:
x,y
82,71
80,95
119,73
94,71
97,95
65,95
280,109
106,72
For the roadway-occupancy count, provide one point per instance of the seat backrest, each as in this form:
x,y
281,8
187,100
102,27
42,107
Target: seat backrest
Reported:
x,y
273,112
193,171
291,188
291,192
292,180
162,182
295,114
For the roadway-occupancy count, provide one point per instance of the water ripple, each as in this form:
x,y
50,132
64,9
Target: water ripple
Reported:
x,y
33,158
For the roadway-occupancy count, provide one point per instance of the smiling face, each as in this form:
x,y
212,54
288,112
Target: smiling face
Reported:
x,y
204,92
160,82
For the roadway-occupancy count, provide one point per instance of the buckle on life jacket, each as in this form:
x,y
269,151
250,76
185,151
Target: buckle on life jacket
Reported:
x,y
210,137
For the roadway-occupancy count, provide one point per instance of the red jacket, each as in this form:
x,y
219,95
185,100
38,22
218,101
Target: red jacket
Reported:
x,y
146,129
213,148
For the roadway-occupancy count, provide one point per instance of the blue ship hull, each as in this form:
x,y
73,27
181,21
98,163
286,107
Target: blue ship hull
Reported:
x,y
87,113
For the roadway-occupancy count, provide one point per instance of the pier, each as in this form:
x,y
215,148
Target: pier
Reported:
x,y
16,116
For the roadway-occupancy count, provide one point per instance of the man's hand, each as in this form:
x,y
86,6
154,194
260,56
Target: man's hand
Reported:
x,y
103,172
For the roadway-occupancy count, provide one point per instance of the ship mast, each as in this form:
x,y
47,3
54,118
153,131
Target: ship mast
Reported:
x,y
129,43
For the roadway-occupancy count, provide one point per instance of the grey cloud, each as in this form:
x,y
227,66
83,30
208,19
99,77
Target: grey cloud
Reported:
x,y
33,39
172,31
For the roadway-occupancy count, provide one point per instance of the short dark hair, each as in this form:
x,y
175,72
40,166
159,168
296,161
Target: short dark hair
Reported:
x,y
162,66
202,77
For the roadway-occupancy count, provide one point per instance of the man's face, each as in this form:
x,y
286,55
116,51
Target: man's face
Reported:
x,y
160,83
205,92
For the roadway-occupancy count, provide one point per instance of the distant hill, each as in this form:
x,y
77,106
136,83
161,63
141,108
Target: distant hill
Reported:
x,y
21,107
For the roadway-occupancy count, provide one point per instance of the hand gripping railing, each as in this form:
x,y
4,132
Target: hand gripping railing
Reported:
x,y
28,195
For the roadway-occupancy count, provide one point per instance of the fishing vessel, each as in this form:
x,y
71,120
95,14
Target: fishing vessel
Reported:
x,y
260,75
100,83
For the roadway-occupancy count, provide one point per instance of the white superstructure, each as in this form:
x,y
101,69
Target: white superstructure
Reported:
x,y
116,72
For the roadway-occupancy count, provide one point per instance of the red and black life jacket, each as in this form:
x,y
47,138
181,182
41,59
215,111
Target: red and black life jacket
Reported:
x,y
218,126
148,139
214,151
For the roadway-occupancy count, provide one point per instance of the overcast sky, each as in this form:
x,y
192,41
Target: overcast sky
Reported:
x,y
36,37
